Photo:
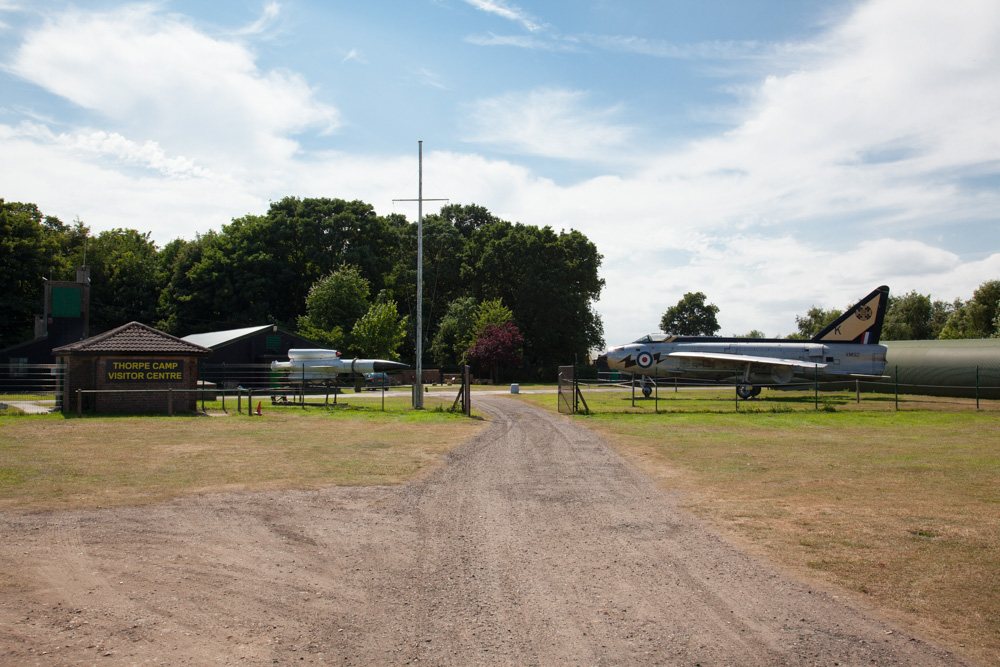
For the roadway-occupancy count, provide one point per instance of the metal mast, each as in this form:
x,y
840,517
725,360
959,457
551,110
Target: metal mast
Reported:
x,y
418,382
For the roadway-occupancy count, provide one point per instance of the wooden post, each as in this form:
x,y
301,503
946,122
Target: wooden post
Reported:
x,y
79,402
895,386
170,401
249,401
816,384
467,388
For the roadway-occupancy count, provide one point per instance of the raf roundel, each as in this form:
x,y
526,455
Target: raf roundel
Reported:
x,y
645,360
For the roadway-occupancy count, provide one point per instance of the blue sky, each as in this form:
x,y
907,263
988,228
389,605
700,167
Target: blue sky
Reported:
x,y
772,154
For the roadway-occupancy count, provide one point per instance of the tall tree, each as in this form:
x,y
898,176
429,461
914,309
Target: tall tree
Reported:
x,y
334,304
497,347
380,331
978,317
909,317
548,280
456,328
27,256
692,316
815,320
259,269
126,278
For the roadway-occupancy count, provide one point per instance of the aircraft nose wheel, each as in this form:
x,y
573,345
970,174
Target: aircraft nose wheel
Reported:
x,y
647,391
746,391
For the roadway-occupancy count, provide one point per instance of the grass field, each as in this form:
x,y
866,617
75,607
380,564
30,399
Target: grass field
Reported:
x,y
903,508
52,462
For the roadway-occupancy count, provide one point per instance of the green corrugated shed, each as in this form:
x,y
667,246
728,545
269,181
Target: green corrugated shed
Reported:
x,y
942,367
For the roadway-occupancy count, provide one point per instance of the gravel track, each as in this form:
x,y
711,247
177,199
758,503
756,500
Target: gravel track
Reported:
x,y
534,545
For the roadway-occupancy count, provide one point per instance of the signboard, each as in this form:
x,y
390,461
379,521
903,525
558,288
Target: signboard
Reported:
x,y
144,370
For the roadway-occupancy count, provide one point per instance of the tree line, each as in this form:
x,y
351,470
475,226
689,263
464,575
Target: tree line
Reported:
x,y
330,269
912,316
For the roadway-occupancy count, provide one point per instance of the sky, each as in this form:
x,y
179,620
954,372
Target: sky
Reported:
x,y
773,154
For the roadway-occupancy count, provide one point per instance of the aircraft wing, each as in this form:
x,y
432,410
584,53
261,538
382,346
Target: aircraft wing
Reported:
x,y
746,359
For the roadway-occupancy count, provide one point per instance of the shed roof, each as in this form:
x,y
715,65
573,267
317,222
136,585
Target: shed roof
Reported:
x,y
213,339
132,338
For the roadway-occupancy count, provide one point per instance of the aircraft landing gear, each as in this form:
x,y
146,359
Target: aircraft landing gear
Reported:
x,y
647,391
746,391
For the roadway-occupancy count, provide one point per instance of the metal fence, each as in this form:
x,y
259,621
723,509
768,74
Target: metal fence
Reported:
x,y
31,388
638,392
38,389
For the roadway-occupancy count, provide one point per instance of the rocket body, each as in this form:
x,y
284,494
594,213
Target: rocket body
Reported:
x,y
325,364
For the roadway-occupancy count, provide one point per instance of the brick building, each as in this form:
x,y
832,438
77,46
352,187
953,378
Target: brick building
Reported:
x,y
132,357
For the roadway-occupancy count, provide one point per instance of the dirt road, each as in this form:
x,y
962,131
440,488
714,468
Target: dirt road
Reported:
x,y
534,545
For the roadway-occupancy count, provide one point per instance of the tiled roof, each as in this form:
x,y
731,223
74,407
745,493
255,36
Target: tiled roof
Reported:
x,y
132,338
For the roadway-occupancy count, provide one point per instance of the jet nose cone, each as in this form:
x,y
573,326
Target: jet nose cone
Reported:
x,y
388,366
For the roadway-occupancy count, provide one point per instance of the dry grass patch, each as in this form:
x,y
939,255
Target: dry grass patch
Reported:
x,y
55,463
901,507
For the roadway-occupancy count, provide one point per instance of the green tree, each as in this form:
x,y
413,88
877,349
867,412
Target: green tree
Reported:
x,y
380,331
816,319
491,312
126,278
909,317
754,333
28,254
336,301
260,268
548,280
692,316
456,328
976,318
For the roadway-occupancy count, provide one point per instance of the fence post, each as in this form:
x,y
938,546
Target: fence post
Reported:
x,y
895,386
816,387
857,389
79,402
170,401
467,382
977,387
249,401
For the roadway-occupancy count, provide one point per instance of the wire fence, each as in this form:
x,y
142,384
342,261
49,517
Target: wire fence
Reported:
x,y
620,391
38,389
31,388
241,388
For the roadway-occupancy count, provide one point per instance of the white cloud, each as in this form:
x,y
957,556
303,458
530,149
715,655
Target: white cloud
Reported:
x,y
101,144
508,11
355,56
157,77
271,12
824,188
430,78
551,122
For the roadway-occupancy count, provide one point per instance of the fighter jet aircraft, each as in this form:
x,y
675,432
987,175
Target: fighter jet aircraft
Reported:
x,y
847,348
312,365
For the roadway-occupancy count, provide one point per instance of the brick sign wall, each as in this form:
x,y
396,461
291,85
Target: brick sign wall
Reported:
x,y
144,370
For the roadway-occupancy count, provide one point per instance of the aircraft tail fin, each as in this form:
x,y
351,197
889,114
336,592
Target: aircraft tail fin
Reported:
x,y
862,323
